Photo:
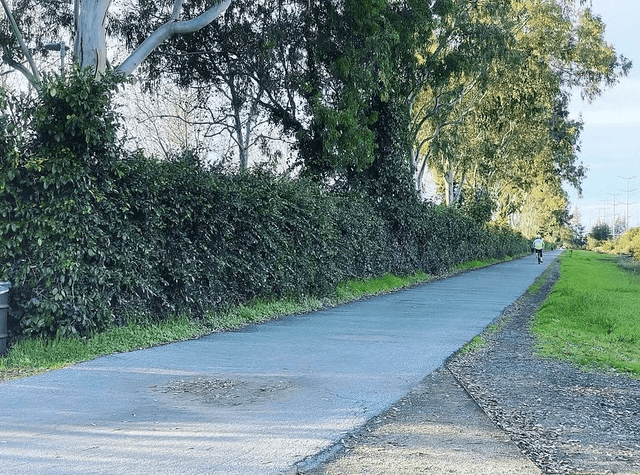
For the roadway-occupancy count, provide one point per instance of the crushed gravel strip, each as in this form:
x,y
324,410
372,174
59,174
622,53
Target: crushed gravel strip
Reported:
x,y
500,410
437,429
566,420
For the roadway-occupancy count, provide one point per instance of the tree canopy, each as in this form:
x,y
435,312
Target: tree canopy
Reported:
x,y
502,127
366,93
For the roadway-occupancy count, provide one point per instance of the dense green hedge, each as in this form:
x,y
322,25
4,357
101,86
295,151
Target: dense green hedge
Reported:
x,y
92,236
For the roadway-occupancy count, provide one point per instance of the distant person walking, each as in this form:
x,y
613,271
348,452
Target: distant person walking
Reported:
x,y
538,246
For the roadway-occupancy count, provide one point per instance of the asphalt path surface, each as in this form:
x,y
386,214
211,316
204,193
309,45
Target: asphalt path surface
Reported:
x,y
255,401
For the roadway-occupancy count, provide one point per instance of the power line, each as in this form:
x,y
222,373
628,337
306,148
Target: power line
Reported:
x,y
602,212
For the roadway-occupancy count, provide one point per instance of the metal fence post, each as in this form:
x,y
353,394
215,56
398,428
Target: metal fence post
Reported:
x,y
4,311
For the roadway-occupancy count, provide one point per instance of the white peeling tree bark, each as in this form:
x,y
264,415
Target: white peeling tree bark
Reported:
x,y
90,45
90,36
172,28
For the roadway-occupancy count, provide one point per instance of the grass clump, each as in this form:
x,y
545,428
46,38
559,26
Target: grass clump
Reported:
x,y
629,264
38,353
260,310
357,288
591,316
542,280
481,340
476,264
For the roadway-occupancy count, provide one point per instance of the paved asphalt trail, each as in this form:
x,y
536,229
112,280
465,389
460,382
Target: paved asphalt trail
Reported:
x,y
254,401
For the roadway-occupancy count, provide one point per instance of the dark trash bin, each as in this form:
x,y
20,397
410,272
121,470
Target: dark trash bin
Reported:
x,y
4,311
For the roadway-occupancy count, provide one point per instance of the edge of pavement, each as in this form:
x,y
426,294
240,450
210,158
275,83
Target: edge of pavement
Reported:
x,y
422,408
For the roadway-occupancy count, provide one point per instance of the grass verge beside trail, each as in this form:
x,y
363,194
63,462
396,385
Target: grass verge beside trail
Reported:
x,y
591,317
481,340
477,264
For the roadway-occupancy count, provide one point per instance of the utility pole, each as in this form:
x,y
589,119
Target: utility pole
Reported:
x,y
626,224
62,47
602,218
613,220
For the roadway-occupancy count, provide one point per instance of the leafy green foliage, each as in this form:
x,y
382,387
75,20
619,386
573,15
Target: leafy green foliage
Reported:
x,y
52,233
601,232
501,125
95,237
629,243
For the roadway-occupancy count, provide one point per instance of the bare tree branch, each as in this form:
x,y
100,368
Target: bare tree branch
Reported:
x,y
34,76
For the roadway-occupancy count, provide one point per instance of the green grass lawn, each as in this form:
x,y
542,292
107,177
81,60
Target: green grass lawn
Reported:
x,y
592,316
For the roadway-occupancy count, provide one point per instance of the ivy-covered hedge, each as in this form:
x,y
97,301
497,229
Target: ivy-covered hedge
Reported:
x,y
93,236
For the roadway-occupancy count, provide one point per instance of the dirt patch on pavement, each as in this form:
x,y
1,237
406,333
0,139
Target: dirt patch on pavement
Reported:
x,y
226,392
500,410
15,373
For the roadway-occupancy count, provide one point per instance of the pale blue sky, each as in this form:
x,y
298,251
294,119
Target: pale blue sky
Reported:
x,y
611,137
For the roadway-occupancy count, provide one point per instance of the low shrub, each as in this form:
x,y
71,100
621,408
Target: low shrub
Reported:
x,y
628,243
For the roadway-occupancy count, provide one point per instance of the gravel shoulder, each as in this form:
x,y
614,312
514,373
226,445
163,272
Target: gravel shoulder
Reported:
x,y
500,410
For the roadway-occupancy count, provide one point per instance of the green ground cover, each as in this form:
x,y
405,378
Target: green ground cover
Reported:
x,y
477,264
592,316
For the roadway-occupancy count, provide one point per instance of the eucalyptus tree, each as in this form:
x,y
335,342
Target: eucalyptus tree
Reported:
x,y
512,132
545,213
335,76
456,61
230,68
94,25
565,49
315,69
526,138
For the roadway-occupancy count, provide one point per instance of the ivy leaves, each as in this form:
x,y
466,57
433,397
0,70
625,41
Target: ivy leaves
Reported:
x,y
94,236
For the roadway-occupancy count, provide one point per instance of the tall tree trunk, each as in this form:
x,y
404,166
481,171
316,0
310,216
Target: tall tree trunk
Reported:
x,y
90,45
448,186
